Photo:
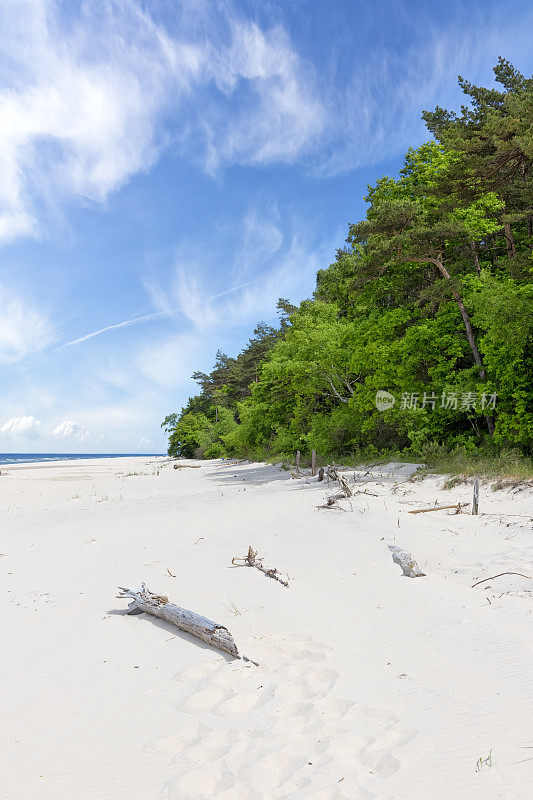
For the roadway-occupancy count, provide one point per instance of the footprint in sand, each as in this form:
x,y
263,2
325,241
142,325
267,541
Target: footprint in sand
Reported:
x,y
240,703
278,732
204,699
176,742
199,783
196,672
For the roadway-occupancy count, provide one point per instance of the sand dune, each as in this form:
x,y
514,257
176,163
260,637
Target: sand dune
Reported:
x,y
370,685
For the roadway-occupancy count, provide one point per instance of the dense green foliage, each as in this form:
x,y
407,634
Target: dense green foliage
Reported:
x,y
430,300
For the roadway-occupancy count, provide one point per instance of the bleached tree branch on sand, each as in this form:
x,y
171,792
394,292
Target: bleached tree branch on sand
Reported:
x,y
334,475
205,629
252,560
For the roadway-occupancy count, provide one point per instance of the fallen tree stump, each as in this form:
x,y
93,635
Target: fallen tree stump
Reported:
x,y
205,629
252,560
409,566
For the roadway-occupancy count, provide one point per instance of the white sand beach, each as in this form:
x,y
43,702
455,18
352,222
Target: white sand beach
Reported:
x,y
370,685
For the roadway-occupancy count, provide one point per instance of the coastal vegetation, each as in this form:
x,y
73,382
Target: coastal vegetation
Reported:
x,y
430,300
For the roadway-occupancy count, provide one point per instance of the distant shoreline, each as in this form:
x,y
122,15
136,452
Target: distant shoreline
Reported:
x,y
37,458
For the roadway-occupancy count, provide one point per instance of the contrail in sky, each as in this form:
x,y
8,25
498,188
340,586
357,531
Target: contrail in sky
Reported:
x,y
126,323
147,317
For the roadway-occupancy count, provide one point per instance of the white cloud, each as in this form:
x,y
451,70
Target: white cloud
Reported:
x,y
23,329
91,97
284,265
171,361
81,102
279,115
27,427
89,102
69,429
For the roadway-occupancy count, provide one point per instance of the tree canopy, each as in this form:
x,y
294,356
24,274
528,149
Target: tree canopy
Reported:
x,y
431,299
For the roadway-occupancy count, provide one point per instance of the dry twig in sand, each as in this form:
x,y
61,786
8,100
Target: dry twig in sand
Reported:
x,y
332,502
499,576
252,560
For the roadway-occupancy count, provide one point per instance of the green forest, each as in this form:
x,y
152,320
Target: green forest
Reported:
x,y
429,303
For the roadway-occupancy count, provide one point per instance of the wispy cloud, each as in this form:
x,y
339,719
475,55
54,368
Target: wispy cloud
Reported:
x,y
126,323
23,329
81,103
286,257
91,98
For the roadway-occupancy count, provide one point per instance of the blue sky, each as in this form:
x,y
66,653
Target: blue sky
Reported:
x,y
168,170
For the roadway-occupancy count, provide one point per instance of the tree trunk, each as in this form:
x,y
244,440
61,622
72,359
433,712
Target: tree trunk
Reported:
x,y
476,258
466,320
469,334
509,241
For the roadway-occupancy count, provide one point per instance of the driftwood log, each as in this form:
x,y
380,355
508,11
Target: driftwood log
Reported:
x,y
205,629
253,560
406,562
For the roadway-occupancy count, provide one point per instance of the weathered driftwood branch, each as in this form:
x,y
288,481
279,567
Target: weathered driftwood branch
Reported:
x,y
333,474
210,632
457,506
475,499
406,562
187,466
252,560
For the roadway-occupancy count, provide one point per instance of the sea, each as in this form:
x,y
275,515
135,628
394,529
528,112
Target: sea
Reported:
x,y
33,458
